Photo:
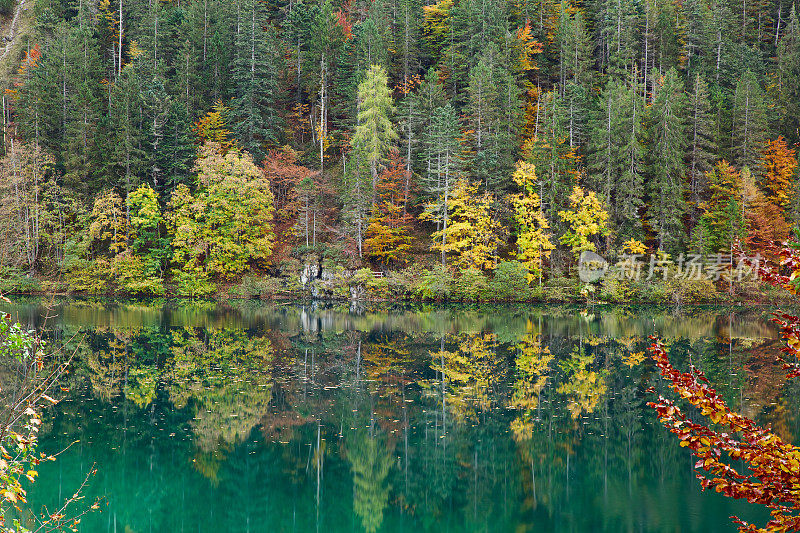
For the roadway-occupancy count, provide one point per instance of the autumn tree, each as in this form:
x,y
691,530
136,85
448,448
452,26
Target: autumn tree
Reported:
x,y
533,238
778,181
472,234
228,223
387,237
297,192
374,132
109,227
723,219
585,219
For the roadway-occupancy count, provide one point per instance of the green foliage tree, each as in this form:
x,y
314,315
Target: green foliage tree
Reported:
x,y
227,224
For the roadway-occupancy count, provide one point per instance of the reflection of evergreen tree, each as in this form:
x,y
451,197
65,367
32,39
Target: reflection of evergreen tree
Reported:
x,y
370,459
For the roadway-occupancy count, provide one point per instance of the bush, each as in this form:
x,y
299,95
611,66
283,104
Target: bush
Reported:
x,y
435,284
561,289
616,290
138,276
194,282
14,280
87,276
510,282
470,285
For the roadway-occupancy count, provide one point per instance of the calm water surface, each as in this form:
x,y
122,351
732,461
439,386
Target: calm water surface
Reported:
x,y
262,417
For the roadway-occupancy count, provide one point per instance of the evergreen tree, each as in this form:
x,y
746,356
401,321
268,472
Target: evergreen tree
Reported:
x,y
749,121
256,121
701,148
443,165
667,135
374,132
788,77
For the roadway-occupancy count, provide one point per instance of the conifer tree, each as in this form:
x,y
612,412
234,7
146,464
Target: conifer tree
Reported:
x,y
701,148
256,68
749,121
667,134
374,133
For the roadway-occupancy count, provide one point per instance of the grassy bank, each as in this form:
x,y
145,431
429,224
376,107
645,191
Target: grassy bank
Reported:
x,y
329,281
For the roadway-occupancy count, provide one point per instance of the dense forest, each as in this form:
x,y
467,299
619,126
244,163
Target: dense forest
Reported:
x,y
171,146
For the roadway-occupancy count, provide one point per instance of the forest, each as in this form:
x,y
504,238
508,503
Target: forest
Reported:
x,y
183,146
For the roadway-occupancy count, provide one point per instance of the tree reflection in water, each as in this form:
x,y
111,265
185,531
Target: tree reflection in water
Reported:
x,y
299,418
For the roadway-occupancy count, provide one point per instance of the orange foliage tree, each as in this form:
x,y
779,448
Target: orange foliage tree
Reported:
x,y
387,238
771,476
296,190
212,127
780,165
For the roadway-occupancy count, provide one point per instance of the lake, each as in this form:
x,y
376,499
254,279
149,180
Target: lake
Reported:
x,y
248,416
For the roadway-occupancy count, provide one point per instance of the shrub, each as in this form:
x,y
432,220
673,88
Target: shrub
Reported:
x,y
14,280
510,282
194,282
435,284
561,289
470,285
138,276
87,276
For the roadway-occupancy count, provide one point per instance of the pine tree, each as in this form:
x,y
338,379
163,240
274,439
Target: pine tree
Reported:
x,y
667,135
749,121
256,67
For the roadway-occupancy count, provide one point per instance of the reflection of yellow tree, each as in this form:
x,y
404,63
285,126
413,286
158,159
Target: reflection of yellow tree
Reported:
x,y
471,374
226,373
370,460
140,386
533,362
387,362
107,367
585,387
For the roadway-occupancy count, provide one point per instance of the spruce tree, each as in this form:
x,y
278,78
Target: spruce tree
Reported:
x,y
749,122
667,136
256,120
702,149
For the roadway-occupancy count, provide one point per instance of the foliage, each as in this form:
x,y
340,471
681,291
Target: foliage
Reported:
x,y
387,237
22,355
586,218
228,223
533,239
729,439
510,281
472,234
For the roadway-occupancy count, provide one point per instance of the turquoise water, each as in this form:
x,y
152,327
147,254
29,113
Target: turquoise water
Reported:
x,y
262,417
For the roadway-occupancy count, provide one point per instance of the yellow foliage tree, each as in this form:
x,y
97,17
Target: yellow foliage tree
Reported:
x,y
533,239
109,225
632,246
212,127
471,232
586,218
